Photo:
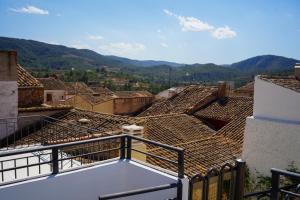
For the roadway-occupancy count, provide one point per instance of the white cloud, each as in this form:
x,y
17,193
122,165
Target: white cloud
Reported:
x,y
158,31
164,45
94,37
167,12
223,33
190,23
193,24
122,48
31,10
196,25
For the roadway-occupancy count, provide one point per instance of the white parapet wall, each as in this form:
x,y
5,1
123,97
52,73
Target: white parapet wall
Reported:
x,y
92,182
271,144
272,101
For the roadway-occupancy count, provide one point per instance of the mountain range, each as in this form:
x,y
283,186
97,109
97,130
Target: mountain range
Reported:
x,y
33,54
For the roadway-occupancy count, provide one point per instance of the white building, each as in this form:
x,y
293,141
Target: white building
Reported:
x,y
54,90
272,134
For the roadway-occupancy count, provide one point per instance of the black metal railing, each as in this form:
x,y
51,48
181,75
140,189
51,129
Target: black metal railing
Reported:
x,y
35,130
77,154
224,183
276,192
144,191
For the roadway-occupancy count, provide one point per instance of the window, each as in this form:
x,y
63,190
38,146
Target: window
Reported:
x,y
49,97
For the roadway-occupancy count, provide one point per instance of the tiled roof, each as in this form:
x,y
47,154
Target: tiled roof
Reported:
x,y
200,155
234,130
103,123
246,90
289,82
226,109
77,87
190,98
51,83
248,86
204,148
25,79
93,96
68,127
175,128
131,94
102,91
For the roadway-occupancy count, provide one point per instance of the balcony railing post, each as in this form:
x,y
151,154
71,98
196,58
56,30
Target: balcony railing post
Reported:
x,y
240,179
274,185
123,147
179,190
129,145
180,164
55,167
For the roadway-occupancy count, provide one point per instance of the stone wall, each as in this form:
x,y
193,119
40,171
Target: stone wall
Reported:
x,y
30,97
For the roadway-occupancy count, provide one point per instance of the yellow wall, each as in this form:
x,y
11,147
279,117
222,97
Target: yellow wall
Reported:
x,y
105,107
79,102
213,188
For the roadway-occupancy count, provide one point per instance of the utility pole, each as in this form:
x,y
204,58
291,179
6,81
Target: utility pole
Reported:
x,y
170,69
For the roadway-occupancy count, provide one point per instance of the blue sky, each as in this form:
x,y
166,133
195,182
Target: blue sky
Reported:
x,y
186,31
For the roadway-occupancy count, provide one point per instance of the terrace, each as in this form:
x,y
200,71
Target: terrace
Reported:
x,y
80,162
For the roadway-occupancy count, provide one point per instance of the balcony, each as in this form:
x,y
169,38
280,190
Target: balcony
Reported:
x,y
70,171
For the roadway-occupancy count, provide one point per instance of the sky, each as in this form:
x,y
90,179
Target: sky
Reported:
x,y
184,31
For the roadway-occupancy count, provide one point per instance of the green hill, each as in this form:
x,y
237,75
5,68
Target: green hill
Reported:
x,y
39,55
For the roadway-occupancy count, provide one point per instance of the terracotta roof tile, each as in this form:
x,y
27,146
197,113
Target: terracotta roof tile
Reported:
x,y
131,94
200,155
25,79
226,109
175,128
68,127
289,82
91,95
51,83
188,99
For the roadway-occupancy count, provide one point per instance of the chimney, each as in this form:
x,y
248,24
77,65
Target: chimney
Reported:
x,y
9,92
8,66
297,71
222,89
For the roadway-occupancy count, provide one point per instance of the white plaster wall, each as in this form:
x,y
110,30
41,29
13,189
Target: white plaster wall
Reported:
x,y
270,144
8,107
275,102
56,95
89,183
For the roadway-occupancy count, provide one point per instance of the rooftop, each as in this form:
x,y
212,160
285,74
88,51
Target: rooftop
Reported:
x,y
174,129
93,95
51,83
132,94
77,87
225,109
191,98
289,82
200,155
25,79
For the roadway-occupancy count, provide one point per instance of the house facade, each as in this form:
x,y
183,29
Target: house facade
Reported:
x,y
54,91
272,134
131,102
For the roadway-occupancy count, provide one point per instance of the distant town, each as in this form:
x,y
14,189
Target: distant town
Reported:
x,y
220,135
